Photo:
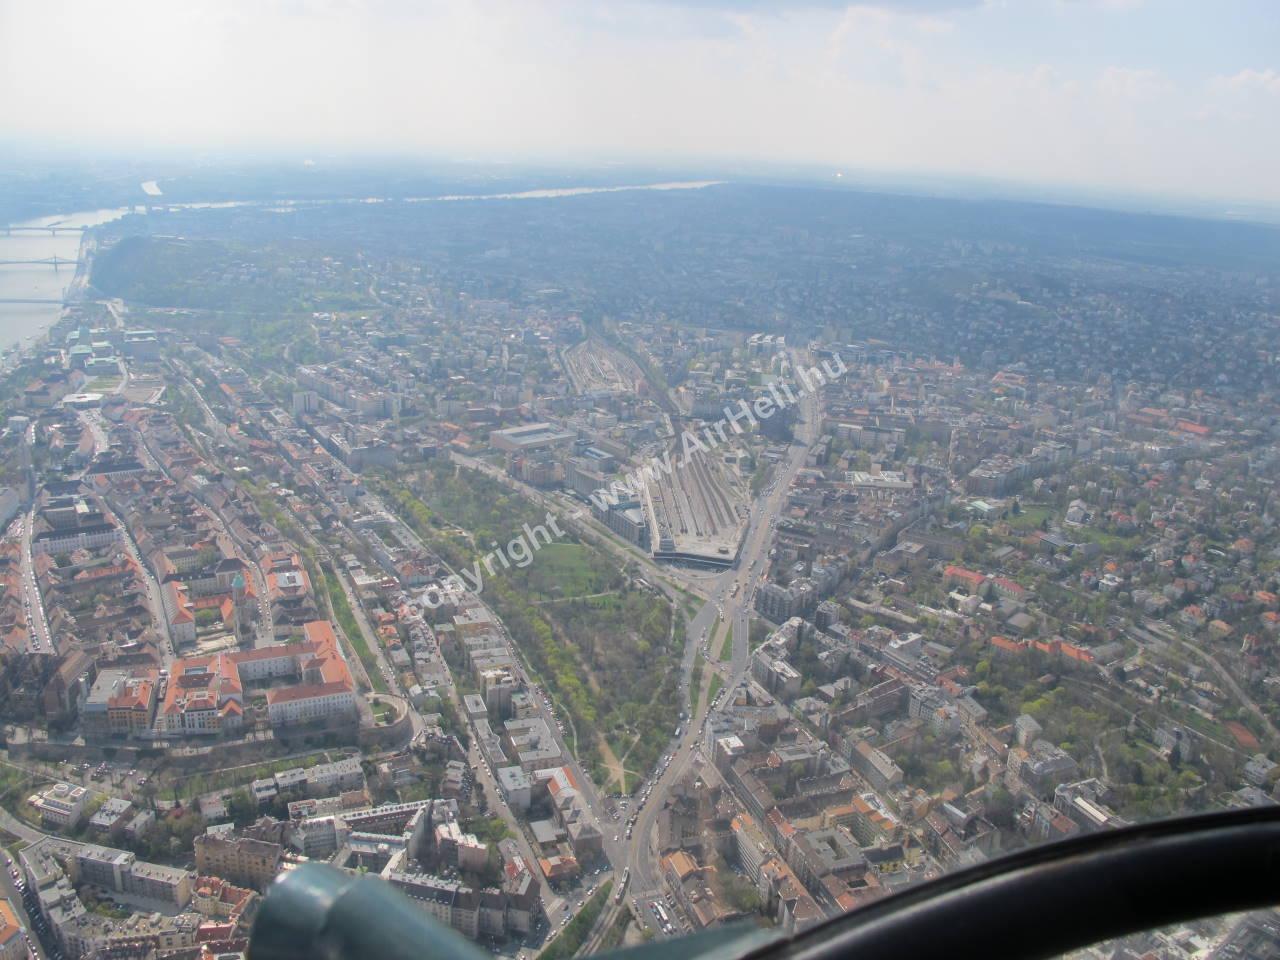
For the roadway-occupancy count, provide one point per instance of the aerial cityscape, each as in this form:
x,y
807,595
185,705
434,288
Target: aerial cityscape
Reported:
x,y
599,554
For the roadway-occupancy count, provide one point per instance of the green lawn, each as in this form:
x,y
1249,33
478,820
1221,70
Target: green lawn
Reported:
x,y
1030,518
194,786
567,570
714,688
1110,543
695,684
347,620
488,829
726,643
760,477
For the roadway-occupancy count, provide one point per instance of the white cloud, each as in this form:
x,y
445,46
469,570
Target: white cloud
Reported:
x,y
1247,80
899,87
1132,84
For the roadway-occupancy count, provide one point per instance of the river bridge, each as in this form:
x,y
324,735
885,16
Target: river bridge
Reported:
x,y
54,262
52,230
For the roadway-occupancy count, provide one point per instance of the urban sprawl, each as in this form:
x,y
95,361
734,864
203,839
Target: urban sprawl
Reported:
x,y
583,632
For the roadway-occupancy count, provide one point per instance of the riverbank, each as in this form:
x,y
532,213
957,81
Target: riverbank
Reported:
x,y
38,284
40,322
32,290
78,288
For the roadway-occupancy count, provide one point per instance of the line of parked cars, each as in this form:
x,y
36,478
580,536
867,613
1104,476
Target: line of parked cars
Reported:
x,y
32,906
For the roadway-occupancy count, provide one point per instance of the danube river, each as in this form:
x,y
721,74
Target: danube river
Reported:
x,y
21,322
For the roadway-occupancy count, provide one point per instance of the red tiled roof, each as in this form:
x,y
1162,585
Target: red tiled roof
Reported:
x,y
960,573
307,692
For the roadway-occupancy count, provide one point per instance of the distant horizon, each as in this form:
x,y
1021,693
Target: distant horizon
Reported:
x,y
25,158
1119,97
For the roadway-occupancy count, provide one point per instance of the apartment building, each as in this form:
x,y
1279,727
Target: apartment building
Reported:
x,y
244,861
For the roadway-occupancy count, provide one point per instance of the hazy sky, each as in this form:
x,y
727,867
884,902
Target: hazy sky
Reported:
x,y
1180,97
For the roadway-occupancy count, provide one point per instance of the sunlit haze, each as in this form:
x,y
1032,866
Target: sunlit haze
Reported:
x,y
1177,97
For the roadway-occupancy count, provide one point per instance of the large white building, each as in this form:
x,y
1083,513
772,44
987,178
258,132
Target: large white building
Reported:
x,y
530,436
60,805
309,704
206,694
68,541
326,690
